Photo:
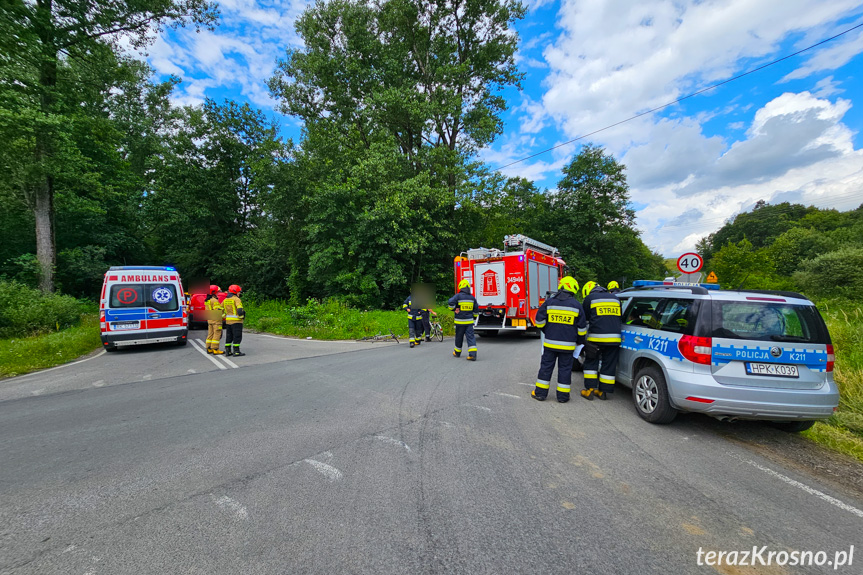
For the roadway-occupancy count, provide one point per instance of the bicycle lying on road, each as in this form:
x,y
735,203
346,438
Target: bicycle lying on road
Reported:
x,y
381,337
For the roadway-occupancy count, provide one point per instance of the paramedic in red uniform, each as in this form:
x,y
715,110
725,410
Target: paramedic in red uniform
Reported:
x,y
603,341
234,313
466,310
561,319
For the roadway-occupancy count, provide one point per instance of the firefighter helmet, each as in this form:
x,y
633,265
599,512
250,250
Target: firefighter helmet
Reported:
x,y
588,287
613,285
463,284
569,284
214,289
235,289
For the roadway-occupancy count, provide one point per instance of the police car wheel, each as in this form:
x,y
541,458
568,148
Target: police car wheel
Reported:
x,y
650,395
792,426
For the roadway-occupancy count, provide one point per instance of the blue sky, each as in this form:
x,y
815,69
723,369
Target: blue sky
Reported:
x,y
791,132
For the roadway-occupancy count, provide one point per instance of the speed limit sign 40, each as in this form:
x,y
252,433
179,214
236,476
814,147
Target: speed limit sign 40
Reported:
x,y
689,263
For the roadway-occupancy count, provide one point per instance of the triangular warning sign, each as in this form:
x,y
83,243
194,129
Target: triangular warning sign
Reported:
x,y
712,279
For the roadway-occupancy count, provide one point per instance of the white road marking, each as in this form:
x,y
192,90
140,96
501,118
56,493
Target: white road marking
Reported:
x,y
807,489
488,409
393,441
37,391
191,371
527,384
232,506
222,357
328,471
70,548
99,383
147,377
507,395
100,354
203,352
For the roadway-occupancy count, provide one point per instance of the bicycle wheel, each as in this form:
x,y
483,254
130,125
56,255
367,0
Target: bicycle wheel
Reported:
x,y
438,332
394,337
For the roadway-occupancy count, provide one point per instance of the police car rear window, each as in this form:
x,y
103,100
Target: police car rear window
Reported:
x,y
768,322
161,297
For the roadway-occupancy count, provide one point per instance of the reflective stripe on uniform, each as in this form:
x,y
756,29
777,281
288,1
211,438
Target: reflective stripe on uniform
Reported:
x,y
562,345
457,349
471,349
604,337
562,308
463,321
542,384
582,330
598,302
606,379
589,374
563,388
539,324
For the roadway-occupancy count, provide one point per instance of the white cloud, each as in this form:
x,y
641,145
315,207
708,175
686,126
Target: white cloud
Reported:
x,y
830,58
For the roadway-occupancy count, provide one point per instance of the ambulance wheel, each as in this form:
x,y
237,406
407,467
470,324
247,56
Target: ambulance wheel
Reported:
x,y
488,332
650,395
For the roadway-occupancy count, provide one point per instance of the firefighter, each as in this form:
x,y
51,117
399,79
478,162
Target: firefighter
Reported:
x,y
561,319
466,311
603,341
415,324
613,287
214,320
233,313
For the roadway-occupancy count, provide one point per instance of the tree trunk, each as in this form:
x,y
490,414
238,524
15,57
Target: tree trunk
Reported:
x,y
43,190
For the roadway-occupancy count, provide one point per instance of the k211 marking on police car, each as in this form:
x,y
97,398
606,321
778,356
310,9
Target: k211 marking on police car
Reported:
x,y
760,556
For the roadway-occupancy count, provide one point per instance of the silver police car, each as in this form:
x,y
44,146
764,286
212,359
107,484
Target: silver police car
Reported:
x,y
730,354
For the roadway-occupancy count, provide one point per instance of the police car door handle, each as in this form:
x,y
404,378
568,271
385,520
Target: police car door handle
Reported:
x,y
638,339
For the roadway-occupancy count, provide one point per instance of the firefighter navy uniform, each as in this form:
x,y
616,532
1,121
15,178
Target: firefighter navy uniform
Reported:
x,y
426,323
466,311
214,321
603,341
561,319
415,322
234,314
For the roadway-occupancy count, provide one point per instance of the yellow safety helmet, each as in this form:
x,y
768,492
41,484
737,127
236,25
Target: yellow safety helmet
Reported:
x,y
463,284
588,287
569,284
613,285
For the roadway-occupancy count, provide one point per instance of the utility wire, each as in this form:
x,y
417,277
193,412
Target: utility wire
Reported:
x,y
701,91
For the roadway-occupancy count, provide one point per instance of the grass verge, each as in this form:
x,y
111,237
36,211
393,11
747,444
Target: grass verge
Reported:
x,y
844,431
20,355
332,320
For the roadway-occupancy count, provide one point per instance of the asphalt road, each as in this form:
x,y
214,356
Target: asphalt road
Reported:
x,y
353,458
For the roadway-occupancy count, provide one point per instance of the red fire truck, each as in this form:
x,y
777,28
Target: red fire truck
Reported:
x,y
511,284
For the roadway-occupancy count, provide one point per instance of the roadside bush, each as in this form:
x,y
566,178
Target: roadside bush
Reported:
x,y
837,274
26,311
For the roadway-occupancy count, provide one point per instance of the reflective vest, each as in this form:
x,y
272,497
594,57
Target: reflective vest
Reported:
x,y
232,306
603,316
561,318
412,313
465,306
212,303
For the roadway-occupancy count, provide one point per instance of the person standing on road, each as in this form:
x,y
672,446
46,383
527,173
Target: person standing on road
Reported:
x,y
603,341
415,325
466,311
427,321
214,320
234,314
561,319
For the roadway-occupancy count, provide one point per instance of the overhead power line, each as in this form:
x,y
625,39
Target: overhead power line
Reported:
x,y
701,91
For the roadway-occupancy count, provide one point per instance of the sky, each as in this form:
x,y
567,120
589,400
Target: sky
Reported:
x,y
790,132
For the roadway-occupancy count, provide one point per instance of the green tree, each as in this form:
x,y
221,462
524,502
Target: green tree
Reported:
x,y
37,41
836,274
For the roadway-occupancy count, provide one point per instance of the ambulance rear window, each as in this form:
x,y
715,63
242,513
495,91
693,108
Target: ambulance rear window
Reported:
x,y
161,297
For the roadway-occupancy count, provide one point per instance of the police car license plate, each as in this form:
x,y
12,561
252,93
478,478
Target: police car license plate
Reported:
x,y
121,325
772,369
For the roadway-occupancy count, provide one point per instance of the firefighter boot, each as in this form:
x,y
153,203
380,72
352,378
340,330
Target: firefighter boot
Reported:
x,y
217,352
428,338
229,350
237,352
587,393
210,350
537,397
603,395
412,344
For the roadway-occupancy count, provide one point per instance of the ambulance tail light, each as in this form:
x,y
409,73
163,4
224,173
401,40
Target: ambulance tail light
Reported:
x,y
102,325
696,349
831,357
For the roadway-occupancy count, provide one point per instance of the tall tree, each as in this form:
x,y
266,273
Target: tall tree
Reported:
x,y
36,40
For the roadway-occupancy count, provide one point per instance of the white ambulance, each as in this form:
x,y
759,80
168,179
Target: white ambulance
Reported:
x,y
142,304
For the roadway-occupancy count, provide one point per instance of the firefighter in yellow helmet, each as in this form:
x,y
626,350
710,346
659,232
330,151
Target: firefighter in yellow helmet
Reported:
x,y
214,309
561,319
613,287
603,341
466,311
234,315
